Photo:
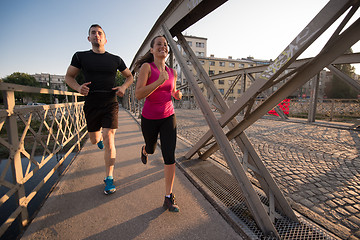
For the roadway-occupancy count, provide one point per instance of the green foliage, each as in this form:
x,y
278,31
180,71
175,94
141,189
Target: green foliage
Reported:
x,y
119,79
339,88
22,79
26,80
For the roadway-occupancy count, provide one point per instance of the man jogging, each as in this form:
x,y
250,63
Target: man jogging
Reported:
x,y
101,106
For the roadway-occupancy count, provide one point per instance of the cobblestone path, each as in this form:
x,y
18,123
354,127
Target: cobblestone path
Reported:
x,y
316,167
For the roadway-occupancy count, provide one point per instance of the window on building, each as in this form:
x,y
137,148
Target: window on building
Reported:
x,y
221,90
231,82
190,43
211,72
212,63
222,64
232,91
200,54
231,64
200,44
188,62
221,82
202,62
239,91
221,71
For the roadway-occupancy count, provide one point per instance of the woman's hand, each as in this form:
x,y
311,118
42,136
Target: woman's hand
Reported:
x,y
177,95
163,76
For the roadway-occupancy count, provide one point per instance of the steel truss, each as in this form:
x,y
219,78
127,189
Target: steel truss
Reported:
x,y
341,40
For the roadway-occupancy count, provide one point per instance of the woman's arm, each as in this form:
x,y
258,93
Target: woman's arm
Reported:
x,y
176,93
142,90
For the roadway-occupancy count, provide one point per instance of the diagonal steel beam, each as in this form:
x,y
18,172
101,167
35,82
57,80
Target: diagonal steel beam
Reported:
x,y
267,183
252,199
342,43
325,18
344,77
178,16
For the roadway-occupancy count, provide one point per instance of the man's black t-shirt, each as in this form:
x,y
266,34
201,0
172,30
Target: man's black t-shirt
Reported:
x,y
99,69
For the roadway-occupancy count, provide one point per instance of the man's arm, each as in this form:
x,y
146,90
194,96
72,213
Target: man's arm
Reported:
x,y
70,80
128,81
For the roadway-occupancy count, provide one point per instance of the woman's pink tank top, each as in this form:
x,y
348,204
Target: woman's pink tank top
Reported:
x,y
158,104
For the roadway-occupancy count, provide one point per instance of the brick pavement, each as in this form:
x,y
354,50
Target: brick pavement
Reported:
x,y
317,167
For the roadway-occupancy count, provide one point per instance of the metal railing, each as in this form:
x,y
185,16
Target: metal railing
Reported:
x,y
32,136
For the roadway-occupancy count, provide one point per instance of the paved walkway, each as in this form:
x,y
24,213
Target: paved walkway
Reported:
x,y
78,209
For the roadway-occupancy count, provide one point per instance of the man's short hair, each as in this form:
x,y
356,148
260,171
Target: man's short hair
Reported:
x,y
95,25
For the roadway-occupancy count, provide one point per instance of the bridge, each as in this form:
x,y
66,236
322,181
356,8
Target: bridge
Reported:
x,y
258,194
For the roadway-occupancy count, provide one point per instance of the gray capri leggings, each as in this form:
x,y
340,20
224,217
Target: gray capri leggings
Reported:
x,y
167,129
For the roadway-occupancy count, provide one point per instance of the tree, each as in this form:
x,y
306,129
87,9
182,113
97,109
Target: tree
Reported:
x,y
22,79
339,88
26,80
119,79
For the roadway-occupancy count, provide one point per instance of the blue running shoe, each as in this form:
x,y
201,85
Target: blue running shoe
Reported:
x,y
100,144
110,187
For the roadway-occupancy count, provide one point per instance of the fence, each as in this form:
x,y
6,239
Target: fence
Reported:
x,y
328,109
32,137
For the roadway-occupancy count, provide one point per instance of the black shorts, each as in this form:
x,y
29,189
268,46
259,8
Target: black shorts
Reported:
x,y
101,116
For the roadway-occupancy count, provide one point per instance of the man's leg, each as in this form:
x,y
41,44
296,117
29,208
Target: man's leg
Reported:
x,y
109,156
95,137
110,151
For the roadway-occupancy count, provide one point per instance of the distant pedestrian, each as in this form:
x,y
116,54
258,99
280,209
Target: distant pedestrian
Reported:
x,y
157,83
101,106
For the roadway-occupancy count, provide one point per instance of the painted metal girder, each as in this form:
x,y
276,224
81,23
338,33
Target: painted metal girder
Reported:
x,y
178,16
328,15
253,200
251,159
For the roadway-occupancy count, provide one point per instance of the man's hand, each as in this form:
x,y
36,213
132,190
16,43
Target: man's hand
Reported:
x,y
84,89
120,91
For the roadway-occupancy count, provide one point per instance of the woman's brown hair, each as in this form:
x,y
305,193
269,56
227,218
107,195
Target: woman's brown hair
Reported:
x,y
148,57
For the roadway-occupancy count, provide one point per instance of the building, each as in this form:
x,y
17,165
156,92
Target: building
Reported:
x,y
214,65
56,82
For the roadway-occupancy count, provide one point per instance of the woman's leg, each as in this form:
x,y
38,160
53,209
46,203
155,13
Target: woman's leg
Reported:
x,y
169,172
168,145
150,133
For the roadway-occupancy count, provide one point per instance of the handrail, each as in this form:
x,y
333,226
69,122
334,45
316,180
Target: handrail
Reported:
x,y
29,89
61,129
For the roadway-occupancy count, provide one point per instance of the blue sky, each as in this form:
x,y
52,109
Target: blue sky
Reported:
x,y
42,35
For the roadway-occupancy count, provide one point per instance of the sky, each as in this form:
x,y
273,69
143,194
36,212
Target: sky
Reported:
x,y
40,36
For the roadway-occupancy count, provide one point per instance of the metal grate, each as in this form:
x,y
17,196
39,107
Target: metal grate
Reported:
x,y
224,187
